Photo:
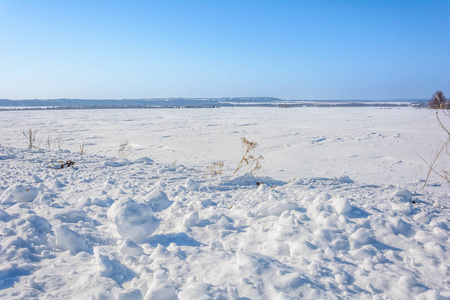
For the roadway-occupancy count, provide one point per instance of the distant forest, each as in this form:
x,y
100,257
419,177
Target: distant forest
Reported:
x,y
6,104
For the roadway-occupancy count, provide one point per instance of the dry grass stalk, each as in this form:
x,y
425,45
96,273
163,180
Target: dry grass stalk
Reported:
x,y
441,154
58,142
253,163
31,139
48,142
82,149
124,150
216,168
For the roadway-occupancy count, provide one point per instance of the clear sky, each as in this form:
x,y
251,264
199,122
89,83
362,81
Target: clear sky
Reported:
x,y
287,49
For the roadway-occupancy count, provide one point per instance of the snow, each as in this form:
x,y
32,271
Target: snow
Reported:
x,y
67,239
131,219
336,213
342,206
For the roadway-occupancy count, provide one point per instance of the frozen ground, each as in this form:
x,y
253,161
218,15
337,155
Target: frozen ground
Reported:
x,y
340,214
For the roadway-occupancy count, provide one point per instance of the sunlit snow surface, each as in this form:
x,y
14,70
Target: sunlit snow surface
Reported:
x,y
340,213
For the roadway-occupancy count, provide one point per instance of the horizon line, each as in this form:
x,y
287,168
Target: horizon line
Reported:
x,y
218,98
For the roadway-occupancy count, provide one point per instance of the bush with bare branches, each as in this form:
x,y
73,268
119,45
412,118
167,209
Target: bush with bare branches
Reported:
x,y
30,136
248,160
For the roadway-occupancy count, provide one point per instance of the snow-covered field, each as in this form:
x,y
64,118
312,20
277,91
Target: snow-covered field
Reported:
x,y
339,213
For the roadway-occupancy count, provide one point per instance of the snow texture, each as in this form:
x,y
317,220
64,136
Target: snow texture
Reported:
x,y
357,227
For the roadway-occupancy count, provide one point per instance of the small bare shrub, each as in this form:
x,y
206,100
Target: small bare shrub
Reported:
x,y
248,160
124,150
216,168
30,136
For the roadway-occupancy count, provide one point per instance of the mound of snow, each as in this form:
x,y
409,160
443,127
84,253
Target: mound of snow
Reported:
x,y
132,294
72,216
342,206
361,236
191,219
111,267
403,194
4,216
275,207
144,160
401,207
191,185
399,226
37,225
199,291
115,164
56,184
19,192
67,239
158,200
130,247
161,287
344,179
160,253
131,219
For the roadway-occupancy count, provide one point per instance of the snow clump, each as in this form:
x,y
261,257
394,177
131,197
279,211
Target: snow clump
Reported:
x,y
158,200
131,219
67,239
342,206
20,193
191,184
161,287
111,267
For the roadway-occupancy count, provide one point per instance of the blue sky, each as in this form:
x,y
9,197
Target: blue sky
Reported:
x,y
287,49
